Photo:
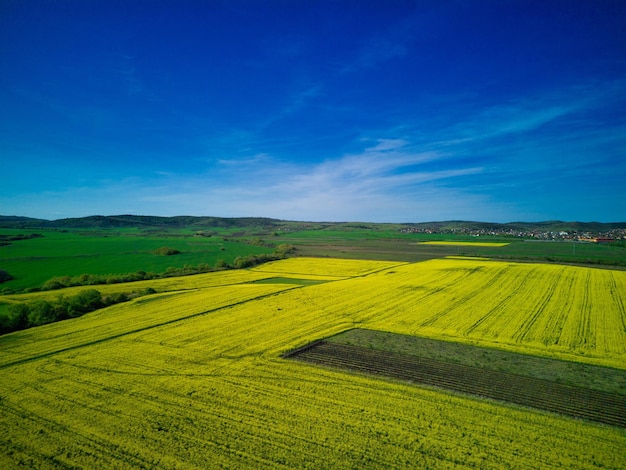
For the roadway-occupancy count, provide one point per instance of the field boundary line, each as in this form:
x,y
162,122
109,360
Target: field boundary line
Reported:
x,y
137,330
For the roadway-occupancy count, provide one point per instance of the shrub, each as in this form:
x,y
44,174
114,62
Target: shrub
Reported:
x,y
5,276
17,317
86,301
285,249
57,283
221,264
166,251
40,313
249,261
115,298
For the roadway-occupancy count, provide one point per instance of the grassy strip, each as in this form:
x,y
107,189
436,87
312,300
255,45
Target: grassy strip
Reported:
x,y
563,372
31,262
577,402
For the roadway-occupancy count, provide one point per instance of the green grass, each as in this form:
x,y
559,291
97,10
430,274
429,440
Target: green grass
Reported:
x,y
120,251
71,253
564,372
395,246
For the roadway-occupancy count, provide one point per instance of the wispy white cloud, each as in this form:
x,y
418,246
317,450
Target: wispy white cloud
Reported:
x,y
475,168
374,161
387,144
375,52
257,159
378,183
527,114
294,103
301,98
391,44
382,182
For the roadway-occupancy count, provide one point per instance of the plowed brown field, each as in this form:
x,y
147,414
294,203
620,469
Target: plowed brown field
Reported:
x,y
578,402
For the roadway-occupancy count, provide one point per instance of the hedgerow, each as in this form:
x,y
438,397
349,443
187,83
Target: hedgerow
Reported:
x,y
40,312
241,262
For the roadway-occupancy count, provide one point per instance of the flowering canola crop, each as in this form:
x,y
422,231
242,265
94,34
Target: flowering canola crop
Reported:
x,y
328,268
194,379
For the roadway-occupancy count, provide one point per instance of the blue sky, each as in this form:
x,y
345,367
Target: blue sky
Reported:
x,y
382,111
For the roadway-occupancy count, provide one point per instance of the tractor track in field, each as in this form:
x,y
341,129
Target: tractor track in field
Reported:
x,y
578,402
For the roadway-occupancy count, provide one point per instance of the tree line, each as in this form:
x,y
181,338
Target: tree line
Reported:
x,y
240,262
24,315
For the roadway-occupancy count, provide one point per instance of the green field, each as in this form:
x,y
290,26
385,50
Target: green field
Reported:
x,y
410,249
193,375
567,388
576,374
71,253
384,243
97,251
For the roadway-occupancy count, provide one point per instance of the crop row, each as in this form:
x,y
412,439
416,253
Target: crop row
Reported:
x,y
536,308
193,378
595,405
328,268
119,320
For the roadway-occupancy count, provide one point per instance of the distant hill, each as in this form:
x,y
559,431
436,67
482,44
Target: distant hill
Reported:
x,y
142,221
12,221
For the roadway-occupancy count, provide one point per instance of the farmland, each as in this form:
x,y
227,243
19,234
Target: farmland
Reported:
x,y
192,376
591,403
71,253
112,248
466,244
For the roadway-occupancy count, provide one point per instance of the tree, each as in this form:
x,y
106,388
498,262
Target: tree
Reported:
x,y
284,249
166,251
18,317
85,301
221,264
41,312
57,283
5,276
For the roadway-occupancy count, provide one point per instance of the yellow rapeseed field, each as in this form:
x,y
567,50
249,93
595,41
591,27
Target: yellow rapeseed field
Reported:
x,y
327,268
194,379
181,283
